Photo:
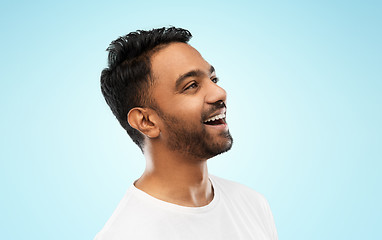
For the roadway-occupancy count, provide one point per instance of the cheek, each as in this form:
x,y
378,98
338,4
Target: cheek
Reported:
x,y
188,107
180,106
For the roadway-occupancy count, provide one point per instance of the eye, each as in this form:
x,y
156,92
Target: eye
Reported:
x,y
215,80
191,86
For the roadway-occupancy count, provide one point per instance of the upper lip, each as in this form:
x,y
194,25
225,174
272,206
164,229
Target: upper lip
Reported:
x,y
220,111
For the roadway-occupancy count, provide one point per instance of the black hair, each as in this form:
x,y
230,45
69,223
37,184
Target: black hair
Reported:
x,y
127,81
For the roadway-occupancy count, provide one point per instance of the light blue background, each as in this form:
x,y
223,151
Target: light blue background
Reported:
x,y
304,107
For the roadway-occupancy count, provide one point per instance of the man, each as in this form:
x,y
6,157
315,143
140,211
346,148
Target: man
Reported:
x,y
167,98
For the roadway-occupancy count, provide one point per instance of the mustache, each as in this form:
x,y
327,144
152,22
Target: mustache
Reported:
x,y
214,107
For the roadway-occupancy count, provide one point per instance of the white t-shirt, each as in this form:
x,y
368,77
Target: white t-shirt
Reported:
x,y
236,212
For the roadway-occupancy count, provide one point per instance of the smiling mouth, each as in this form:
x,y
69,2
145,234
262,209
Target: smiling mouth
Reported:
x,y
216,120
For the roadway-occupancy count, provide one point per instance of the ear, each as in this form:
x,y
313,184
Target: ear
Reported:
x,y
144,120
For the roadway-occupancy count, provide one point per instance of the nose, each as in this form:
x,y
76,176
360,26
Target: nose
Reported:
x,y
215,93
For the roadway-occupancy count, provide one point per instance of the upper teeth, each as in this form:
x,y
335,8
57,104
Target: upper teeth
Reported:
x,y
217,117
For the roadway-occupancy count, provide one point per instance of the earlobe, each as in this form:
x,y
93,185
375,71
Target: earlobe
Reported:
x,y
144,121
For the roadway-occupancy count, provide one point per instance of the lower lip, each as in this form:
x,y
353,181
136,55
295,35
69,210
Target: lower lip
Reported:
x,y
219,126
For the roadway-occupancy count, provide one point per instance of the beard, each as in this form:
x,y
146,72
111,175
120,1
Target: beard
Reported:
x,y
193,139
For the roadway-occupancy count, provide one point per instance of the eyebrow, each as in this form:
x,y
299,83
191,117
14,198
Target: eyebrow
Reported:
x,y
193,73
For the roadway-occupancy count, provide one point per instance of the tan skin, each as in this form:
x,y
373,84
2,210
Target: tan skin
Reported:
x,y
174,176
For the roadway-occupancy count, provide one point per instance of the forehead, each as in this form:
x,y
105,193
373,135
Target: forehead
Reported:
x,y
174,60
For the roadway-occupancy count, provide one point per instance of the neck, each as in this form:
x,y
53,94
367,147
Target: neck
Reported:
x,y
176,178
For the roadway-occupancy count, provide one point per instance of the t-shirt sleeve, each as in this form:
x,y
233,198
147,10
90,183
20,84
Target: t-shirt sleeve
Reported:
x,y
272,224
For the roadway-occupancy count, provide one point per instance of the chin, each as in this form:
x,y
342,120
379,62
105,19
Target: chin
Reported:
x,y
221,147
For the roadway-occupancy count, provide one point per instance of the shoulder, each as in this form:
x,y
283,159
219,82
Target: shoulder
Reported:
x,y
124,218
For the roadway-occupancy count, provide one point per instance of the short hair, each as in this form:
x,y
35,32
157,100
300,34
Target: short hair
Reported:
x,y
127,81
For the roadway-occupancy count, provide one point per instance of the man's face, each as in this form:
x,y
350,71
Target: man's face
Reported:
x,y
189,102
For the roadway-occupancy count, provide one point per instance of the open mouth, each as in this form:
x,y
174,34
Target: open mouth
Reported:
x,y
216,120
